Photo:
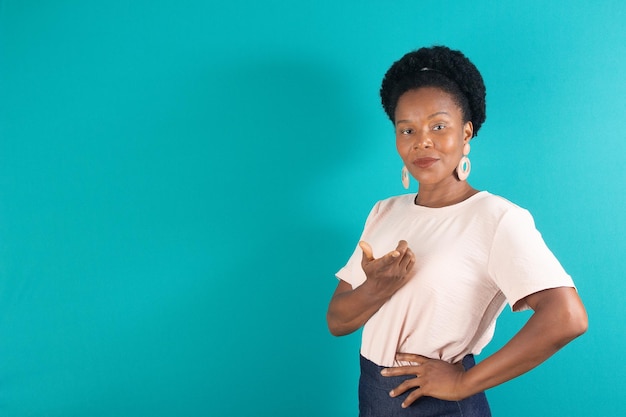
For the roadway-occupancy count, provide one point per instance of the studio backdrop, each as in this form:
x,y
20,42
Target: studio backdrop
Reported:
x,y
179,182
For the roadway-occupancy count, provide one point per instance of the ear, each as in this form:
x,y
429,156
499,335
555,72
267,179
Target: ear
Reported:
x,y
468,132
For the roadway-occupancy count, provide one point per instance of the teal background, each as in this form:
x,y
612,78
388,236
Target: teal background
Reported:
x,y
179,181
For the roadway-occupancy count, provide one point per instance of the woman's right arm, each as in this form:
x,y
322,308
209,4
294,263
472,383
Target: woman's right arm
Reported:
x,y
350,308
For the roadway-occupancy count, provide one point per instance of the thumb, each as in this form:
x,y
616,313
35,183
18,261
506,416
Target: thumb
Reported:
x,y
368,253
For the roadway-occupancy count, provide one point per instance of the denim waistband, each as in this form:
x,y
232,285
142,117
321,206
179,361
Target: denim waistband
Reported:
x,y
374,399
370,372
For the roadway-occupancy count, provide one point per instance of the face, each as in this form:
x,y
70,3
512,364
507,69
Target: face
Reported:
x,y
430,135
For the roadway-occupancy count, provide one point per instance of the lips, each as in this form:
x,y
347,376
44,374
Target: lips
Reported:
x,y
424,162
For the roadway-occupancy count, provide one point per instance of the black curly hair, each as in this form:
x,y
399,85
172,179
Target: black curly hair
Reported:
x,y
441,67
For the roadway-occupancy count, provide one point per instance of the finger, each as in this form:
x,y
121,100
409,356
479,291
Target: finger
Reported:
x,y
404,387
391,257
411,357
407,260
368,253
412,397
409,264
406,255
403,245
400,370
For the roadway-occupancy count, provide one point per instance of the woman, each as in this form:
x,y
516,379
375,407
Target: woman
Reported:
x,y
452,258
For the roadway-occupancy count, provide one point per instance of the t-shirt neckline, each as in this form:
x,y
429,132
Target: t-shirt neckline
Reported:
x,y
479,195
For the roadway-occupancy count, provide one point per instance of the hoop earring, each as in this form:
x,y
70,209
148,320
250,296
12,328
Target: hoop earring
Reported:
x,y
405,178
464,167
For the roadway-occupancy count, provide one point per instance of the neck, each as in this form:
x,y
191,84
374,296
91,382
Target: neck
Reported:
x,y
435,196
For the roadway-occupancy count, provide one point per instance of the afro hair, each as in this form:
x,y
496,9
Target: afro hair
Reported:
x,y
440,67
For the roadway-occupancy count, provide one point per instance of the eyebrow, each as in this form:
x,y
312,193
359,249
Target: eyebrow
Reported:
x,y
438,113
429,117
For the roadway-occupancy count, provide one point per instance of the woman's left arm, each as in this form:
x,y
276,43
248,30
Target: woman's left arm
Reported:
x,y
559,317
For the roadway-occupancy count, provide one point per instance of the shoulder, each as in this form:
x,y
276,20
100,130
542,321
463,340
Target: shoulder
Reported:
x,y
512,223
398,202
496,206
389,208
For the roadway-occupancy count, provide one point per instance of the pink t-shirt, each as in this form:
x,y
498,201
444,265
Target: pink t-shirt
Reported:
x,y
471,259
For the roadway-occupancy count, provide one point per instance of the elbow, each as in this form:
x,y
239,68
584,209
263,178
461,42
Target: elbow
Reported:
x,y
575,322
336,331
335,327
563,313
580,323
332,326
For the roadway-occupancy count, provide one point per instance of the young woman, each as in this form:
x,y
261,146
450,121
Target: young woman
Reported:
x,y
434,270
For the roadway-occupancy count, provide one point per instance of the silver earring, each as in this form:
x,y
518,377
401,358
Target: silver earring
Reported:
x,y
405,178
464,167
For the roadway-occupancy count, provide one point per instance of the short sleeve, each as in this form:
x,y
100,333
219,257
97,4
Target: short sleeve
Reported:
x,y
352,272
520,262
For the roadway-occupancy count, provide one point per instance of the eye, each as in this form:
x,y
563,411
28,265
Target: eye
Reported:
x,y
439,126
406,131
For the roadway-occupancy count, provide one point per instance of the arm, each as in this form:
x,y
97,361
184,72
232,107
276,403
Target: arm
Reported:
x,y
559,317
349,308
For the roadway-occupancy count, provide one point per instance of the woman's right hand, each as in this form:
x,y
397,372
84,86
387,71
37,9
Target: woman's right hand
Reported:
x,y
350,308
387,274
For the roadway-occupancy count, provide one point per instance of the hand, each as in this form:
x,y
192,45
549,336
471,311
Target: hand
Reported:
x,y
390,272
433,378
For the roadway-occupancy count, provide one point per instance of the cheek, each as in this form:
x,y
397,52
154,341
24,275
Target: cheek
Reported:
x,y
454,146
401,151
402,145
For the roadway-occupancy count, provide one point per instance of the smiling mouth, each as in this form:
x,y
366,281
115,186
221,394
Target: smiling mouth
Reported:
x,y
424,162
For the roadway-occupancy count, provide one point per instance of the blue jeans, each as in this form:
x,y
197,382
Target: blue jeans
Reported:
x,y
374,399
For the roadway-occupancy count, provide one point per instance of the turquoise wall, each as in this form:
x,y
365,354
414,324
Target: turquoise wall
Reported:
x,y
179,181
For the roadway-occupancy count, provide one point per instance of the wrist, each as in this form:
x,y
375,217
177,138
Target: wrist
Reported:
x,y
468,386
375,292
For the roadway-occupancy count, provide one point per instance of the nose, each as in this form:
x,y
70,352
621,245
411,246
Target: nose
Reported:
x,y
422,142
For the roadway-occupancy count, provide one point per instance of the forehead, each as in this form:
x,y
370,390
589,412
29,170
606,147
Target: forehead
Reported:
x,y
425,101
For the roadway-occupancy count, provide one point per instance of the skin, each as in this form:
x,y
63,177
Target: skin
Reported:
x,y
430,125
